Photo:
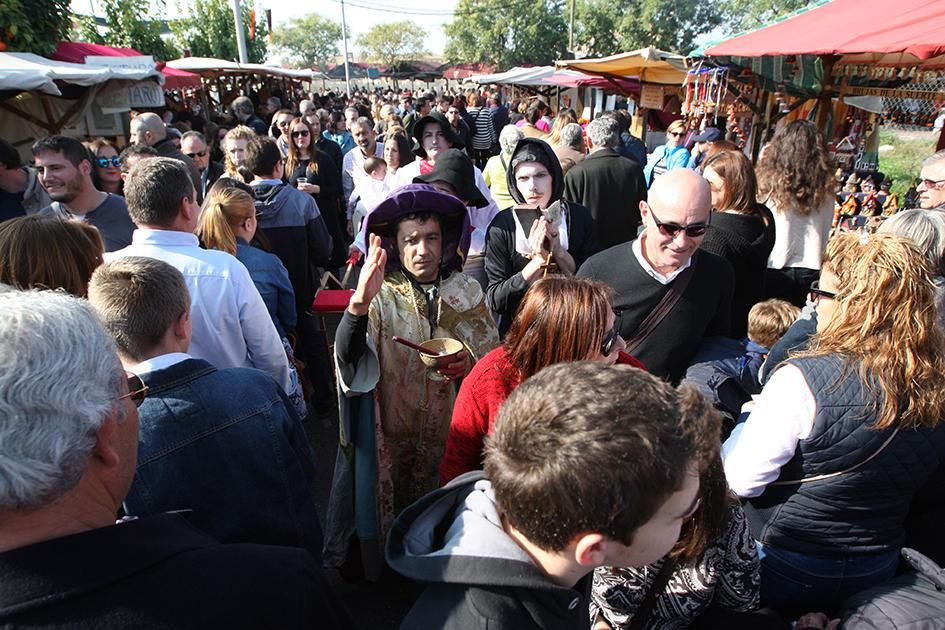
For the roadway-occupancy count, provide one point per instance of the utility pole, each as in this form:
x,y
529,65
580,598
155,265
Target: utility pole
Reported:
x,y
344,39
240,35
571,29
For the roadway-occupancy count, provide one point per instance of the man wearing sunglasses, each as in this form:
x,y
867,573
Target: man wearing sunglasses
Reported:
x,y
931,186
194,146
70,445
149,129
670,295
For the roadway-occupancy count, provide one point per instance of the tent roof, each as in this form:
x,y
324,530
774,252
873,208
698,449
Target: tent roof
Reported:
x,y
648,64
882,32
25,72
76,52
211,66
517,76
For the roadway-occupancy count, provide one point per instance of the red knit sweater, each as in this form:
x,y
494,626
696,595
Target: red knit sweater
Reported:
x,y
483,391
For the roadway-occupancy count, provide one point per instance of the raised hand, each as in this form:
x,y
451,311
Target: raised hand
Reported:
x,y
371,278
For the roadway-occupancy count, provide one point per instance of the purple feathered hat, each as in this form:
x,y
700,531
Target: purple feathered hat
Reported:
x,y
416,198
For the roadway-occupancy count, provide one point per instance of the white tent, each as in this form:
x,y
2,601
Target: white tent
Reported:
x,y
211,66
26,72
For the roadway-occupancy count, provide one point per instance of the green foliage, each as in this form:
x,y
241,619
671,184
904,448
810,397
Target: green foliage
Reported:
x,y
901,154
671,25
34,26
507,32
208,30
131,26
595,27
392,42
743,15
310,39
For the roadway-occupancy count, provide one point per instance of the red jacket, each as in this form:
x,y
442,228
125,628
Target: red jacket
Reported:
x,y
483,391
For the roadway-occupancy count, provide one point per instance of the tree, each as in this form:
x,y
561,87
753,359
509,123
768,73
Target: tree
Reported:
x,y
33,25
671,25
209,31
130,26
507,33
746,15
311,39
392,42
595,27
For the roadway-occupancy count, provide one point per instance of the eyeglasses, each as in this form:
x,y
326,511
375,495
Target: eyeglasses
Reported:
x,y
300,134
197,154
611,337
137,390
693,230
931,183
817,294
104,161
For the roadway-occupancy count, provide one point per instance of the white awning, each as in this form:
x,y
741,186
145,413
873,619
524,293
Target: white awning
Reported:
x,y
27,72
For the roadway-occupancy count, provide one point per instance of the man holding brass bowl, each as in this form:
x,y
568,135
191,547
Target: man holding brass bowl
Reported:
x,y
397,400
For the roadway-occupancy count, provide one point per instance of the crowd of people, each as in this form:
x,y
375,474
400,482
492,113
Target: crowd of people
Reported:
x,y
576,385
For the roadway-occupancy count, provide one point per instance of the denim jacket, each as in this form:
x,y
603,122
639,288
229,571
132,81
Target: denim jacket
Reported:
x,y
272,280
228,445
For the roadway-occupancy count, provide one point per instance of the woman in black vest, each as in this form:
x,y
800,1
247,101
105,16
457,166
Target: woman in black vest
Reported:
x,y
844,434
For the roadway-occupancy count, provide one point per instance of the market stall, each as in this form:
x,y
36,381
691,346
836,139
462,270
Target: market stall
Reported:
x,y
40,96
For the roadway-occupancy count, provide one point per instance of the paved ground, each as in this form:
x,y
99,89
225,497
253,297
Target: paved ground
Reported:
x,y
374,606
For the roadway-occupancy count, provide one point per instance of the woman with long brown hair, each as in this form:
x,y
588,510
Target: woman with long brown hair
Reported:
x,y
107,173
312,171
545,331
742,231
844,434
795,180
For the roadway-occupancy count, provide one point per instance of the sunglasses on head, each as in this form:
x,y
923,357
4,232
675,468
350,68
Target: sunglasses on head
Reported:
x,y
197,154
104,161
137,390
693,230
301,133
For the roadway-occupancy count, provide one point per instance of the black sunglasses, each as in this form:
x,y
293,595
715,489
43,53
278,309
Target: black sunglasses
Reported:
x,y
137,390
611,337
678,134
299,134
197,154
817,294
104,161
693,230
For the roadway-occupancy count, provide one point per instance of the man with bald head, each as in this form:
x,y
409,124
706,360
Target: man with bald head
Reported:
x,y
148,128
668,293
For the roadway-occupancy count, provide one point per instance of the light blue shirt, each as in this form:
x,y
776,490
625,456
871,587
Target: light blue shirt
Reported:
x,y
231,325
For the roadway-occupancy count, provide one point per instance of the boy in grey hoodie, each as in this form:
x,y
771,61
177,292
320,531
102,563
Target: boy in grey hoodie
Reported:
x,y
577,475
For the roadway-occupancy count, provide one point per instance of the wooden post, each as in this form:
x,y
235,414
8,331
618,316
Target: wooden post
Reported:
x,y
825,100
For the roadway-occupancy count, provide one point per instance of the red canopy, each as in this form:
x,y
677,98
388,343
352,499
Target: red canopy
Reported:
x,y
884,32
76,52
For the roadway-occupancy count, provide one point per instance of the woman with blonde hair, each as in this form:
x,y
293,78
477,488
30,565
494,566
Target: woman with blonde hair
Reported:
x,y
796,181
234,149
564,117
44,252
844,434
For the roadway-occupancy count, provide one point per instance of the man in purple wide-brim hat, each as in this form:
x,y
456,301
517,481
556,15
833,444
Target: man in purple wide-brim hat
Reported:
x,y
396,411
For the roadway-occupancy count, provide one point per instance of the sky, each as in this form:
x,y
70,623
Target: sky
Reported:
x,y
428,15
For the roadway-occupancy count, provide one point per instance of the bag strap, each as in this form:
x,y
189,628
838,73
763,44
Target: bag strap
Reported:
x,y
791,482
663,308
656,589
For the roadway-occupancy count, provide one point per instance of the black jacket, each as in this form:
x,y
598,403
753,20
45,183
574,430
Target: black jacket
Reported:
x,y
328,200
503,265
160,572
168,149
297,235
611,187
861,511
478,577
